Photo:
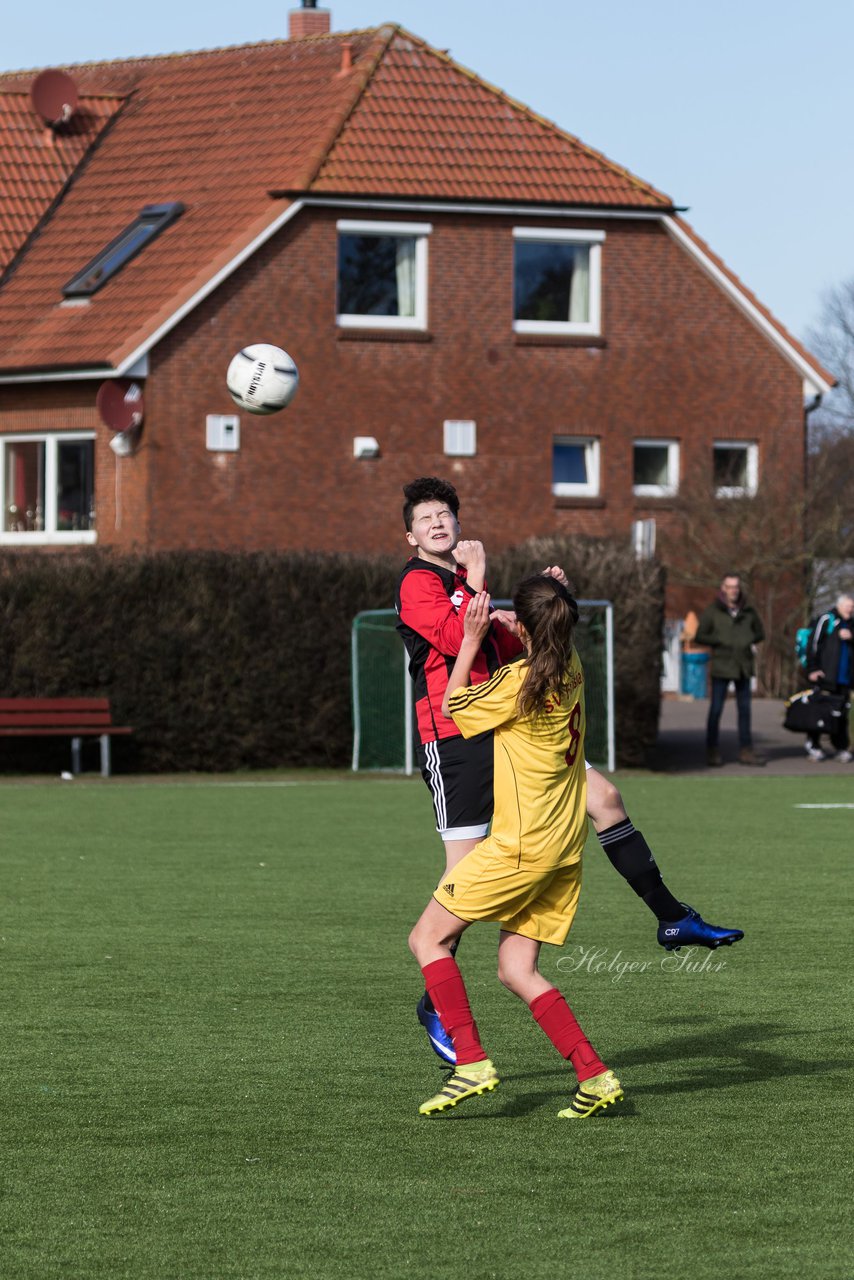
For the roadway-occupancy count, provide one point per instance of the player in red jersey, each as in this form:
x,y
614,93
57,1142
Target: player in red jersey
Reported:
x,y
435,590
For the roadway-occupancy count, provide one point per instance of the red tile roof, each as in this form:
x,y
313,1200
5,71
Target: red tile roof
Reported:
x,y
36,162
215,130
233,134
427,127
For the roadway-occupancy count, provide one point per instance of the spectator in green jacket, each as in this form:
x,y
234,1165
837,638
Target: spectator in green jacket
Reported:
x,y
730,628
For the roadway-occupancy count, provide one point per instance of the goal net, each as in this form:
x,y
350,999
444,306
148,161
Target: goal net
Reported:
x,y
382,688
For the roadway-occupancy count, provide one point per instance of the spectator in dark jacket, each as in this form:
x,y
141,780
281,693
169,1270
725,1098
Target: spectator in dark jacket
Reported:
x,y
730,628
830,666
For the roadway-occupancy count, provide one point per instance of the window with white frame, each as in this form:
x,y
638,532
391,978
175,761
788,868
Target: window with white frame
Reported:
x,y
47,487
655,468
382,274
460,438
557,281
736,468
575,467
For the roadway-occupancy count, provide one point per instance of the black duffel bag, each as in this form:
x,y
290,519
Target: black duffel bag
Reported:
x,y
814,711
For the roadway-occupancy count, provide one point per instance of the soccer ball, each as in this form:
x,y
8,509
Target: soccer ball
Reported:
x,y
262,378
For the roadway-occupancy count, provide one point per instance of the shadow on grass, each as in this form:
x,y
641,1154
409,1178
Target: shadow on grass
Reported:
x,y
558,1098
709,1057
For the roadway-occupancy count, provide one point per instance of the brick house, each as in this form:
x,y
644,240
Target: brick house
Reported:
x,y
467,291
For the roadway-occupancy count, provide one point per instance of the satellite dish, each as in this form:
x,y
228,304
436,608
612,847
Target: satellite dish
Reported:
x,y
120,404
54,96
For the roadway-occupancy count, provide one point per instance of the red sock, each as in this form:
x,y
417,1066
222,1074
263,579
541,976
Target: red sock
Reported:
x,y
446,989
554,1015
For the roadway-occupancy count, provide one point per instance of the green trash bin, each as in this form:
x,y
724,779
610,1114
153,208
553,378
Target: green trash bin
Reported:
x,y
694,671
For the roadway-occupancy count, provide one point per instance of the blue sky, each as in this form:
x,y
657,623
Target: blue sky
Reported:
x,y
741,111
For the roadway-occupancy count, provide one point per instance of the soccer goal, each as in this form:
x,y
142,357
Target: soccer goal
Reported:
x,y
382,688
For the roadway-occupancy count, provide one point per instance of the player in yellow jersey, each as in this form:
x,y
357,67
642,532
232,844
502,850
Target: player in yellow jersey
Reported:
x,y
526,874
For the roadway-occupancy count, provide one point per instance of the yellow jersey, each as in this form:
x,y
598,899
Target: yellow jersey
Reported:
x,y
540,781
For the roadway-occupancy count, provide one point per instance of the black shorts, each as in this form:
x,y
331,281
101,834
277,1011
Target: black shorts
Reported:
x,y
459,773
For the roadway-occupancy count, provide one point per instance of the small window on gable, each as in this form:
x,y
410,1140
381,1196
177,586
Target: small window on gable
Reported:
x,y
655,468
736,468
575,467
382,274
556,281
153,219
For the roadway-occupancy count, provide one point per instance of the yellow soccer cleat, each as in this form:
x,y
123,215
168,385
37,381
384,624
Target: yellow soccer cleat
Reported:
x,y
593,1095
467,1081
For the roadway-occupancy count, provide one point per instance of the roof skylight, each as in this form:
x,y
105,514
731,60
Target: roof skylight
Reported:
x,y
152,219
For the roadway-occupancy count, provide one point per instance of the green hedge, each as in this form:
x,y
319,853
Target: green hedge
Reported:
x,y
228,660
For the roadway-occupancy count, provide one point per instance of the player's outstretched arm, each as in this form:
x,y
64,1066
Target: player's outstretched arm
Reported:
x,y
477,623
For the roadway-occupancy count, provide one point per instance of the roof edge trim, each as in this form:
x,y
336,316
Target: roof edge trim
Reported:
x,y
126,361
66,375
750,310
418,203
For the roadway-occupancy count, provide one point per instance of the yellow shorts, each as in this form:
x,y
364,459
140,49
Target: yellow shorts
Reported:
x,y
537,902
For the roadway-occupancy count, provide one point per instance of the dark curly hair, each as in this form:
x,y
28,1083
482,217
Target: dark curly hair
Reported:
x,y
428,489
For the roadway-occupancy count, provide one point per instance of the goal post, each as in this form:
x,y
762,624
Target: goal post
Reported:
x,y
382,688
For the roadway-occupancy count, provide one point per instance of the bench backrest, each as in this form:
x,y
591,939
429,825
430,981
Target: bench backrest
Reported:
x,y
27,713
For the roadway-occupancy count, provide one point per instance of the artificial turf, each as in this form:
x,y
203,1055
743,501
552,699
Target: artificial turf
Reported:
x,y
210,1065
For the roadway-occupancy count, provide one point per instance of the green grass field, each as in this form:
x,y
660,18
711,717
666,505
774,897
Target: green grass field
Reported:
x,y
211,1066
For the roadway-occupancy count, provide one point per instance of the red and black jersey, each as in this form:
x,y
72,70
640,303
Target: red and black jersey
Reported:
x,y
431,605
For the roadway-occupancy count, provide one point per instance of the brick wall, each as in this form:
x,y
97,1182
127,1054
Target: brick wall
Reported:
x,y
678,360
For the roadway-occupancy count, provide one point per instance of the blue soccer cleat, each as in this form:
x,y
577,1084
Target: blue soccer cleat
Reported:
x,y
440,1042
692,931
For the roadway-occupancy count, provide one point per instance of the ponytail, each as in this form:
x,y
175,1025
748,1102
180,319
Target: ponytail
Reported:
x,y
549,614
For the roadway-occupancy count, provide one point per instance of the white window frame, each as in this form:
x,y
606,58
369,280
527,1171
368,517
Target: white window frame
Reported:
x,y
593,239
459,438
592,459
420,232
50,535
669,489
751,448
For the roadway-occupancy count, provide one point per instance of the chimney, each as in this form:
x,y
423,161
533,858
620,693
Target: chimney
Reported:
x,y
308,21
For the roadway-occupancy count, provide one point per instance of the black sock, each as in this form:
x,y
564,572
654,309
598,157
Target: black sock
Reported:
x,y
630,854
428,1003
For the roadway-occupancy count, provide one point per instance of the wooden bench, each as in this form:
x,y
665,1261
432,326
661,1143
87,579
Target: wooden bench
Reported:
x,y
74,718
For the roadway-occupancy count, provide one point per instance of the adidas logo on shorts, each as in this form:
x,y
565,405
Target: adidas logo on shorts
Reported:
x,y
448,889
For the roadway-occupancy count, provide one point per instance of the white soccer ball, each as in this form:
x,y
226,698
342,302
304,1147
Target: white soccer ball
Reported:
x,y
262,378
